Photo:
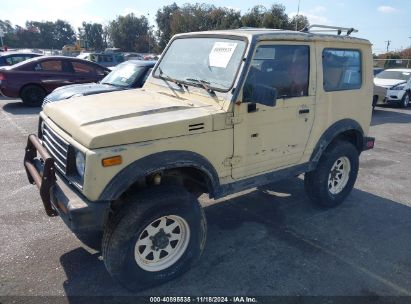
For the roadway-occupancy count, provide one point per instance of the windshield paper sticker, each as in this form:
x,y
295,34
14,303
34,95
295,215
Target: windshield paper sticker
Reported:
x,y
221,54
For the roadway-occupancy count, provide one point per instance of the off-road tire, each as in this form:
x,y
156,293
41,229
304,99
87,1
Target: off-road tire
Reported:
x,y
32,95
138,212
405,101
316,182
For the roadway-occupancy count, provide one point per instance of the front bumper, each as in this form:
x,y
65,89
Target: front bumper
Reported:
x,y
59,198
394,96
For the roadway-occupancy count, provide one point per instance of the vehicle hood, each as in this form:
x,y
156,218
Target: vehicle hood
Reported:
x,y
129,116
387,83
66,92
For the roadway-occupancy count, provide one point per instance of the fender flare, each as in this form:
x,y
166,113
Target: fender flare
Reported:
x,y
332,132
157,162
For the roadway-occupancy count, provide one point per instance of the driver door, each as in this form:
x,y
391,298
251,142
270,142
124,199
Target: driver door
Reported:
x,y
271,134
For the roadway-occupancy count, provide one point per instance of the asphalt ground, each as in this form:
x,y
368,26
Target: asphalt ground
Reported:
x,y
268,241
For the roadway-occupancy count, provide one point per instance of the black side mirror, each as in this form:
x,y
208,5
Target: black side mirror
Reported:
x,y
265,95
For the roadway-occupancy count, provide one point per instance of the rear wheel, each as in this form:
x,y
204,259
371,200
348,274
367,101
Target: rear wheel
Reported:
x,y
335,175
157,235
32,95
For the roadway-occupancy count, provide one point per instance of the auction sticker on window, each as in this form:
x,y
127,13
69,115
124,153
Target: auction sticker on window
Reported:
x,y
221,54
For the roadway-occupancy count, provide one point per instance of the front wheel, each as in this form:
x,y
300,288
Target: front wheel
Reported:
x,y
374,101
333,179
156,237
405,101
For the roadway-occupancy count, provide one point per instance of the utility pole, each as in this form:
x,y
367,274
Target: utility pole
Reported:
x,y
409,54
388,44
296,17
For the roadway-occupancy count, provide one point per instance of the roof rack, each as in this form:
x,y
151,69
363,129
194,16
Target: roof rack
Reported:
x,y
328,28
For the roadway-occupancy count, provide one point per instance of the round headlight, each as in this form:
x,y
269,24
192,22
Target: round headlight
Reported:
x,y
80,163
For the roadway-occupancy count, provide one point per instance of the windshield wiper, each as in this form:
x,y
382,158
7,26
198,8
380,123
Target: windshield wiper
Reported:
x,y
166,77
203,83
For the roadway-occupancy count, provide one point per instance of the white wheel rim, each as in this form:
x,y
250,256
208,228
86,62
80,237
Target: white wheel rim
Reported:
x,y
339,175
162,243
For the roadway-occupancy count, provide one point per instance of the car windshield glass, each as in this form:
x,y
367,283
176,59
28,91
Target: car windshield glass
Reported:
x,y
402,75
214,61
124,75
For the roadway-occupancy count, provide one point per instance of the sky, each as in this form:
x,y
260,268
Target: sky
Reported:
x,y
376,20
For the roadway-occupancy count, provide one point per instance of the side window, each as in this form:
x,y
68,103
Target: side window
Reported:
x,y
146,75
9,60
17,59
283,68
108,58
50,66
341,69
81,68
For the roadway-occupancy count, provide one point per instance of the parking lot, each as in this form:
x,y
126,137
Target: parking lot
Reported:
x,y
269,241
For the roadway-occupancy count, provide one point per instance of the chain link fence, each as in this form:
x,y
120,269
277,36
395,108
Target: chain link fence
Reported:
x,y
392,63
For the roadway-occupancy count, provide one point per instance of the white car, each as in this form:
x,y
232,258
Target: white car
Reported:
x,y
393,86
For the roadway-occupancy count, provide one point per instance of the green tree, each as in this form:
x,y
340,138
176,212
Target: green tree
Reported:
x,y
173,19
48,35
298,22
225,18
63,34
163,20
10,38
261,17
92,35
254,17
131,33
275,17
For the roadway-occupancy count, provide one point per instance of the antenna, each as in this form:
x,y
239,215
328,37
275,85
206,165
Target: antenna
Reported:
x,y
296,17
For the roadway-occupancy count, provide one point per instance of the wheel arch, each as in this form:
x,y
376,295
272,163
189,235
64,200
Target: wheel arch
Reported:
x,y
346,129
31,84
183,166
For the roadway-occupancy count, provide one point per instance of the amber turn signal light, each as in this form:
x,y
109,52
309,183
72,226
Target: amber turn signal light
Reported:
x,y
112,161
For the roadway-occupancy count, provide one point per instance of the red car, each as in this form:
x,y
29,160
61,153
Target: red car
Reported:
x,y
33,79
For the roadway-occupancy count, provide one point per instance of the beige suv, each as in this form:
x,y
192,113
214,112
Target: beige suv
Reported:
x,y
223,111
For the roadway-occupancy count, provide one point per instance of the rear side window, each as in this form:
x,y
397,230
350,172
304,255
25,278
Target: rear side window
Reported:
x,y
341,69
81,68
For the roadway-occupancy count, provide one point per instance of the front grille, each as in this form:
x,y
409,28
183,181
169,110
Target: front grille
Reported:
x,y
57,147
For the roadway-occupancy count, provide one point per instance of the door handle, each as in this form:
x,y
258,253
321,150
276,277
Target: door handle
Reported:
x,y
304,111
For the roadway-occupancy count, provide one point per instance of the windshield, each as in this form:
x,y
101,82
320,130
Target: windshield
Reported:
x,y
124,75
214,61
402,75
